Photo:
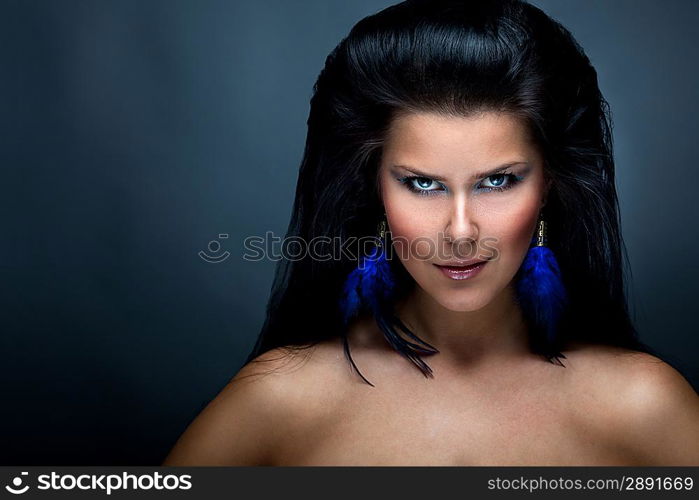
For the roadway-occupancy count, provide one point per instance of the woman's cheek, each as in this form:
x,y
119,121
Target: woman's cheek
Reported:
x,y
511,232
412,222
409,235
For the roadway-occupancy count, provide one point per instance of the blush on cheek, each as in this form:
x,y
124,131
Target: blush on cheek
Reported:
x,y
406,228
409,246
401,248
512,233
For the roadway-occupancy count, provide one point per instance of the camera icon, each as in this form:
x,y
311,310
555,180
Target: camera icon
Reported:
x,y
214,247
16,489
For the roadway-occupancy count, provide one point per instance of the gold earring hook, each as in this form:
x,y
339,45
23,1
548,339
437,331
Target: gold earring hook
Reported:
x,y
541,233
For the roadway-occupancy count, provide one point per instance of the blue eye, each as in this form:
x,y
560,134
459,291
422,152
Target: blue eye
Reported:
x,y
424,186
501,182
419,185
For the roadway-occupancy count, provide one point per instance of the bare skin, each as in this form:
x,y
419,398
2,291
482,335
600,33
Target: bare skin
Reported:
x,y
491,401
608,406
513,410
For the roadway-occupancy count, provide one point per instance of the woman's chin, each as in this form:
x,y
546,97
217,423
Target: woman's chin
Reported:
x,y
464,304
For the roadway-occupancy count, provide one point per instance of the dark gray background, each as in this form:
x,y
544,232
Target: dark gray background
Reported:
x,y
135,132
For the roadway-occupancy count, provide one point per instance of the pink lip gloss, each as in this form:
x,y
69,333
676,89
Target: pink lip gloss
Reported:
x,y
462,272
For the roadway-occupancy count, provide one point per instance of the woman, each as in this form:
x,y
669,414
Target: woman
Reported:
x,y
487,324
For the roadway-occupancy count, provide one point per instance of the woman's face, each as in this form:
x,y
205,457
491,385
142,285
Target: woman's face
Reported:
x,y
459,189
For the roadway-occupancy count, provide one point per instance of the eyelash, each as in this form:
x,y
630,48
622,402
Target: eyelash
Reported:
x,y
512,181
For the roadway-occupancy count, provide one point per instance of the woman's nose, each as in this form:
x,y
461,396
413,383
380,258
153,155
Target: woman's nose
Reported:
x,y
461,225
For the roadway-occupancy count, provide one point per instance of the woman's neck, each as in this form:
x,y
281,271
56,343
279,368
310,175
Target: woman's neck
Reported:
x,y
495,331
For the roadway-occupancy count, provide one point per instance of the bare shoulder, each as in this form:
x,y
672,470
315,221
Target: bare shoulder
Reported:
x,y
280,394
605,363
625,372
638,401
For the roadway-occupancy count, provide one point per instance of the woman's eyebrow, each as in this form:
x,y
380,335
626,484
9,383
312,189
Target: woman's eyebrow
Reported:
x,y
474,177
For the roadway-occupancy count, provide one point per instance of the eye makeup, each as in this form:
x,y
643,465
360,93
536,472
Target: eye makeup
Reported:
x,y
499,182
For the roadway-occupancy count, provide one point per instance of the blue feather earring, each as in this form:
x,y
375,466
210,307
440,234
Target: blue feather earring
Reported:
x,y
371,283
540,288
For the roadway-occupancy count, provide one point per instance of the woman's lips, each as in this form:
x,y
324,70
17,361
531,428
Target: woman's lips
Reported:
x,y
462,272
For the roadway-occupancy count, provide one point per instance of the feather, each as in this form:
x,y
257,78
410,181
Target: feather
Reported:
x,y
541,291
368,285
351,303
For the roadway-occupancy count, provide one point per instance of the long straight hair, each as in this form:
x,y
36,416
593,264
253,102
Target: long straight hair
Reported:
x,y
456,58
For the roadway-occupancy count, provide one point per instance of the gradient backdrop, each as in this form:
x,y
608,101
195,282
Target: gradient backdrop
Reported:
x,y
134,133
